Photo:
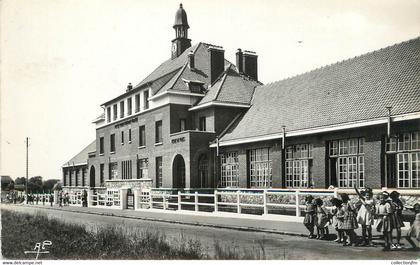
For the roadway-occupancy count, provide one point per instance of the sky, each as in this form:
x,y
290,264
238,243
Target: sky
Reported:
x,y
61,59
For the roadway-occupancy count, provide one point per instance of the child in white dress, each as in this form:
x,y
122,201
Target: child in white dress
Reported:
x,y
365,216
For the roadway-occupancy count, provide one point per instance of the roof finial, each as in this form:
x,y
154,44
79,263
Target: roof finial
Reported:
x,y
180,5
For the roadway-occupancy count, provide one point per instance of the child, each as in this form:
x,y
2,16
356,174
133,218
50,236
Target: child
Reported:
x,y
309,220
414,231
321,219
365,216
349,220
396,218
336,222
384,212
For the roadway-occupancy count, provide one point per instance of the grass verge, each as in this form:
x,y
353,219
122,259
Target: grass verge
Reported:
x,y
21,231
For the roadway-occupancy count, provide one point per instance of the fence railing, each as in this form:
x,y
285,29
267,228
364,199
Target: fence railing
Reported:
x,y
241,201
103,197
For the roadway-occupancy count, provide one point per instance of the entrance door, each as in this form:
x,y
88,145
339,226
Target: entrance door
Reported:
x,y
92,177
130,199
178,172
203,172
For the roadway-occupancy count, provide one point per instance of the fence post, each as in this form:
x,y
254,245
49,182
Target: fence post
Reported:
x,y
179,200
265,201
164,201
238,201
196,201
215,201
150,200
335,192
297,203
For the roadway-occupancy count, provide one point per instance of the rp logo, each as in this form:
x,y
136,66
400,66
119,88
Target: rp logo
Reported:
x,y
40,248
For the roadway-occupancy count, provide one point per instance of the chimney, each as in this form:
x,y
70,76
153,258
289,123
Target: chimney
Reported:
x,y
217,62
239,61
191,60
250,64
129,87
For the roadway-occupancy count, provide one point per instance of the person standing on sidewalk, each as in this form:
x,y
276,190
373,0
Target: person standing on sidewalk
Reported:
x,y
365,216
396,218
336,222
414,232
321,219
60,198
51,199
384,212
348,216
309,220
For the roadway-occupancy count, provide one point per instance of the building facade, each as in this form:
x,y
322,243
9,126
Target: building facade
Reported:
x,y
200,121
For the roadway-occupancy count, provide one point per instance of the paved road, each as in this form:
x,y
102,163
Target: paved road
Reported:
x,y
276,246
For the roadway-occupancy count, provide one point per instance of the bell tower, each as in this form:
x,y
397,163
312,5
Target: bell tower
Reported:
x,y
181,41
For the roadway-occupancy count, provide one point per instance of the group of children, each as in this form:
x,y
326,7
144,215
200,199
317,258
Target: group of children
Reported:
x,y
345,217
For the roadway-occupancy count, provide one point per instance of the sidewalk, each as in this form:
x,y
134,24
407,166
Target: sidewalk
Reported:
x,y
287,225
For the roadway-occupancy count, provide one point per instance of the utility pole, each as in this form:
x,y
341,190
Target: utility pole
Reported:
x,y
27,146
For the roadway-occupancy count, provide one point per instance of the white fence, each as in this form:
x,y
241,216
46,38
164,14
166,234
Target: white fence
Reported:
x,y
103,197
241,201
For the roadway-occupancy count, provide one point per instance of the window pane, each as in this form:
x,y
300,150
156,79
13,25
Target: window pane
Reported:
x,y
137,102
159,179
260,168
158,132
415,141
415,170
353,146
142,136
333,148
229,170
342,172
343,146
403,172
404,142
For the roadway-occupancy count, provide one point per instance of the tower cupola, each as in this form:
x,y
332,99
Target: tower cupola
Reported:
x,y
181,41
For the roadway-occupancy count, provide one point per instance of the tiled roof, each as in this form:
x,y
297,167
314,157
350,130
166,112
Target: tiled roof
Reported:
x,y
170,74
168,66
352,90
231,87
82,156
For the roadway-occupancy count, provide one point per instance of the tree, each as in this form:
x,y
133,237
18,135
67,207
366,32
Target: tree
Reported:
x,y
20,181
35,184
49,184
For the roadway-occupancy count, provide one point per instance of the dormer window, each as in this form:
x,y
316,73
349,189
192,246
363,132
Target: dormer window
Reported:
x,y
195,86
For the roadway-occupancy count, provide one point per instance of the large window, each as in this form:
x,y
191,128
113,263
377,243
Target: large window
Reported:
x,y
84,182
142,168
260,168
142,135
182,125
158,132
108,114
159,180
113,170
122,109
146,99
137,102
101,145
229,170
115,110
129,106
347,156
101,176
202,124
126,169
112,143
298,165
406,146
